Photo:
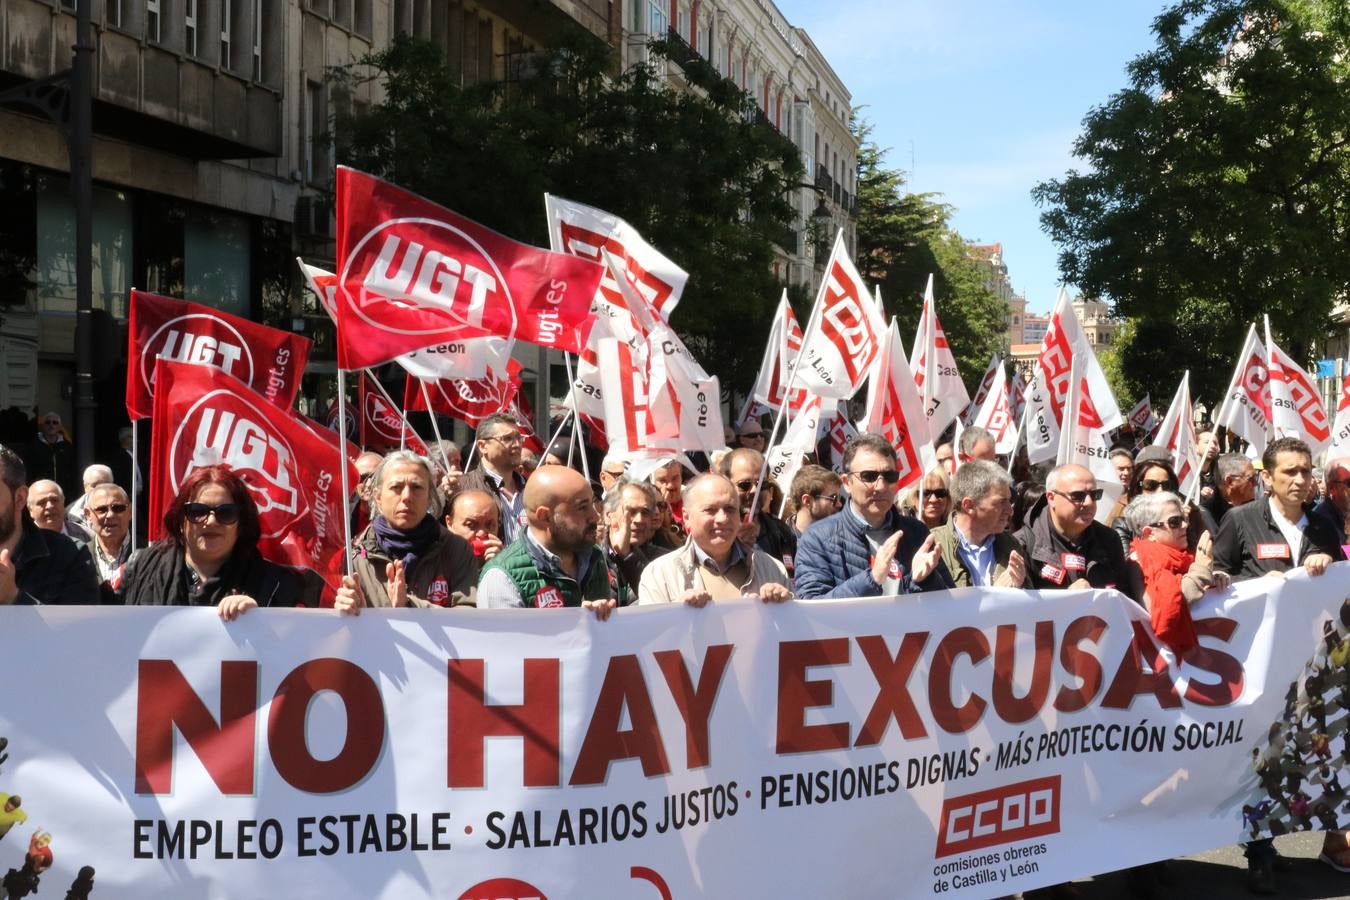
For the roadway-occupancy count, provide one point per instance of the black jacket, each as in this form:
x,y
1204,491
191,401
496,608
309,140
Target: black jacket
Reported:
x,y
1054,559
777,539
1249,543
50,568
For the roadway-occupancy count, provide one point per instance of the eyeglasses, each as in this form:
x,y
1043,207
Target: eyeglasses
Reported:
x,y
752,436
1148,485
833,499
746,486
114,508
225,513
1171,523
513,438
937,493
1078,498
869,476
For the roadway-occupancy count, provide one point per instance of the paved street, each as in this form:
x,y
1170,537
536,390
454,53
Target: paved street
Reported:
x,y
1221,874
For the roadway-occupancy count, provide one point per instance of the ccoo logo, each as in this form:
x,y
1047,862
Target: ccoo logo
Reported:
x,y
221,427
197,338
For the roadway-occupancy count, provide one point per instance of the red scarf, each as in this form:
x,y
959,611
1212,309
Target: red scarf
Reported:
x,y
1163,567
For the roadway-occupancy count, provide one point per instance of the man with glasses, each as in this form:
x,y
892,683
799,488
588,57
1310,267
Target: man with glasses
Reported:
x,y
555,562
761,529
869,548
975,544
37,566
612,470
1335,506
1234,485
752,435
107,509
499,446
817,494
1066,548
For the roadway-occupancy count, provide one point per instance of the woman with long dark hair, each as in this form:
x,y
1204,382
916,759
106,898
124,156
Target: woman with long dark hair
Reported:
x,y
209,556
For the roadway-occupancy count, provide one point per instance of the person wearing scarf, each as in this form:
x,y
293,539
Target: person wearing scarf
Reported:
x,y
210,554
406,557
1174,577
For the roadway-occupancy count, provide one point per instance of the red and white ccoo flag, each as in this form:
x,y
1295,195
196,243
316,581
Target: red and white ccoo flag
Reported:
x,y
995,416
845,332
1246,407
1340,429
895,411
785,342
1177,434
935,372
1296,406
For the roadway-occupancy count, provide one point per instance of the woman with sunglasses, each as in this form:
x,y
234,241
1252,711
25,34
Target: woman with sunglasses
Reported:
x,y
1174,577
1150,477
209,556
937,499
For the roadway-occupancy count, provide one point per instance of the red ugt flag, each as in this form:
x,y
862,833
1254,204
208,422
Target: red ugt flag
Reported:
x,y
412,274
469,400
266,359
203,416
382,425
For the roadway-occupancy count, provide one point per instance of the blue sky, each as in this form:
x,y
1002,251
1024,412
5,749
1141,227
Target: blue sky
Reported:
x,y
990,95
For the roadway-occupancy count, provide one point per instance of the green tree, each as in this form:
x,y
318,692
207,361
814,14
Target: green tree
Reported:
x,y
698,172
1215,187
902,238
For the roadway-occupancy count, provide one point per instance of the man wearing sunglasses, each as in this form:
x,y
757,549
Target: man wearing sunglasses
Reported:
x,y
37,566
761,529
1234,485
818,494
869,548
107,509
499,448
1066,548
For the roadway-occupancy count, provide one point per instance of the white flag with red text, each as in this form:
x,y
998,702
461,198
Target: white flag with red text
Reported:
x,y
1340,429
982,392
840,432
995,416
784,459
1296,406
1178,435
785,342
895,411
1246,407
1084,442
845,331
935,373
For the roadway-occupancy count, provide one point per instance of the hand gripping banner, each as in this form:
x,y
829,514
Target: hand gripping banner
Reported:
x,y
266,359
412,274
1014,739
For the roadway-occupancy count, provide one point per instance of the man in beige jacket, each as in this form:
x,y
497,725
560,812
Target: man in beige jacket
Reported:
x,y
712,564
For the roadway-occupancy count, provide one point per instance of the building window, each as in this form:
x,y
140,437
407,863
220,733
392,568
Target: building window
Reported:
x,y
257,40
657,22
216,260
316,134
152,21
361,18
225,28
112,13
682,24
319,6
190,27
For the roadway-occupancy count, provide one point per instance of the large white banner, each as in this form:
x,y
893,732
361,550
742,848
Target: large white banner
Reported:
x,y
968,744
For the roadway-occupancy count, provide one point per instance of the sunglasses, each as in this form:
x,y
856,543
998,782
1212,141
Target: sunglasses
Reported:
x,y
833,499
746,486
937,493
225,513
869,476
1171,523
1078,498
115,508
1148,485
752,436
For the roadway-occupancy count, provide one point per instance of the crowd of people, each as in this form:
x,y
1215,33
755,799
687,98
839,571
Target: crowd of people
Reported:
x,y
517,531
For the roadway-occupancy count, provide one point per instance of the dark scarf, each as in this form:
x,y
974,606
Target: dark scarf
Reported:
x,y
162,577
408,546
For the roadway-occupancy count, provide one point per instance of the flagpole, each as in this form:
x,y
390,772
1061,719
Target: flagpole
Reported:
x,y
1017,438
342,466
557,432
135,464
1227,399
576,422
435,428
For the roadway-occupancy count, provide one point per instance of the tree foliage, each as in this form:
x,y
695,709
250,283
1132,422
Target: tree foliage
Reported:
x,y
701,174
1215,188
902,237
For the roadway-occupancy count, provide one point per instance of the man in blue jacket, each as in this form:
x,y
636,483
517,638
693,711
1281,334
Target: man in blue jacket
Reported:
x,y
869,549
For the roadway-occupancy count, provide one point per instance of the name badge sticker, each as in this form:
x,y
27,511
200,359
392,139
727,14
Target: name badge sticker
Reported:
x,y
1272,551
1052,572
1073,562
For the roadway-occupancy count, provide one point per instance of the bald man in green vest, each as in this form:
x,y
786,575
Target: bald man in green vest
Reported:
x,y
554,561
